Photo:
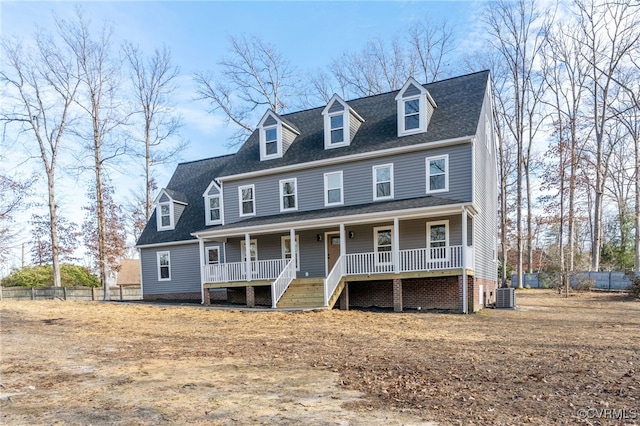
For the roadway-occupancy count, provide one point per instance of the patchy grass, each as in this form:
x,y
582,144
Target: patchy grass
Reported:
x,y
82,363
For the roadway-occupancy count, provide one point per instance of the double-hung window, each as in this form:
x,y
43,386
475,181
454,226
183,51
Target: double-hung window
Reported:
x,y
288,195
411,114
246,195
286,250
438,239
383,182
333,189
165,215
213,255
337,128
164,266
383,239
213,209
271,141
437,174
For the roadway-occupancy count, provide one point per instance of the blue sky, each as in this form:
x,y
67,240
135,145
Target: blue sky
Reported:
x,y
308,34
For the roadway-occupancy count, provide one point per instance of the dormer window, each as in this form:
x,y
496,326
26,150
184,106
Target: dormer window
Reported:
x,y
276,135
337,129
213,204
415,107
165,216
169,207
341,123
271,141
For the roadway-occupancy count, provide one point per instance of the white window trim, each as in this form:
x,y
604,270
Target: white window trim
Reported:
x,y
263,142
375,244
375,182
171,216
295,194
253,191
208,249
207,209
345,129
158,255
446,236
446,173
422,104
326,189
285,238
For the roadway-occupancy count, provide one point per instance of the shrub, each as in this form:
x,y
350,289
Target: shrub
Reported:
x,y
585,284
634,288
42,276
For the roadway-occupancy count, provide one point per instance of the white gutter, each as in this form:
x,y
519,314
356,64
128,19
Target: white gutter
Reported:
x,y
170,243
349,158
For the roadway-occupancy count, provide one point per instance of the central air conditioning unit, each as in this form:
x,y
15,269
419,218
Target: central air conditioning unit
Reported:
x,y
505,298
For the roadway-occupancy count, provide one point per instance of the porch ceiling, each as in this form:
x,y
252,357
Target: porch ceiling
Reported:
x,y
368,213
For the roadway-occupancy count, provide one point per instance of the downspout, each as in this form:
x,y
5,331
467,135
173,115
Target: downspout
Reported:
x,y
463,256
201,248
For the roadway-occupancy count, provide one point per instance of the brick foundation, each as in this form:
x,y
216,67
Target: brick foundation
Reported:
x,y
488,288
397,295
177,297
432,293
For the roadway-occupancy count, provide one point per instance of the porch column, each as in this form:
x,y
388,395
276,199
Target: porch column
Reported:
x,y
202,267
396,246
294,253
397,295
463,258
247,257
343,241
251,296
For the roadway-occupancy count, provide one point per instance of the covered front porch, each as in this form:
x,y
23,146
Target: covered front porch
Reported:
x,y
419,246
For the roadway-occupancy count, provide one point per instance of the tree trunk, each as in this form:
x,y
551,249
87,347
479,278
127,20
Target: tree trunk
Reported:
x,y
636,143
53,217
102,263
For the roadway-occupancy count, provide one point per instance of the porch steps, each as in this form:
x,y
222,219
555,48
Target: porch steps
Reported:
x,y
303,293
336,294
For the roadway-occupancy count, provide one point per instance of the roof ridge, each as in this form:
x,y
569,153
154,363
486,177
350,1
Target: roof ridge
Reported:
x,y
208,158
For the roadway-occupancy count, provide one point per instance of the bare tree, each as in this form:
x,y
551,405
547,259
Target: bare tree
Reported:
x,y
41,249
609,32
515,31
114,244
101,82
13,192
44,84
433,43
154,81
254,75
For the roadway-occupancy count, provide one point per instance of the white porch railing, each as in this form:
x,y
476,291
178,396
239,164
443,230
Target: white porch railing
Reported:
x,y
237,271
333,279
281,283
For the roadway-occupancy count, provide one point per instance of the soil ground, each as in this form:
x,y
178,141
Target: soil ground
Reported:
x,y
553,360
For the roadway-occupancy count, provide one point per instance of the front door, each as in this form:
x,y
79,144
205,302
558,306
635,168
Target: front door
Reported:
x,y
333,250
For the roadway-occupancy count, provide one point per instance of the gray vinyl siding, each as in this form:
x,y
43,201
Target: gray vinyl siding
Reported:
x,y
486,183
411,91
409,182
165,198
178,209
287,139
354,125
213,191
335,107
270,121
184,265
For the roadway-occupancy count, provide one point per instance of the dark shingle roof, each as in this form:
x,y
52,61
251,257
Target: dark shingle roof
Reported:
x,y
338,212
459,103
190,179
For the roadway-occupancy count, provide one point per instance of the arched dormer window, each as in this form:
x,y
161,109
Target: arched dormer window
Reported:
x,y
276,135
341,123
414,106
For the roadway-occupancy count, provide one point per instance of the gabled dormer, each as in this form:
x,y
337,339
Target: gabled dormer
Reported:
x,y
415,107
341,122
169,207
213,213
276,135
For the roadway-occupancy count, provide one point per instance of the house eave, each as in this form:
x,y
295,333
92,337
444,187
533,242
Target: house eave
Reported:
x,y
170,243
403,214
349,158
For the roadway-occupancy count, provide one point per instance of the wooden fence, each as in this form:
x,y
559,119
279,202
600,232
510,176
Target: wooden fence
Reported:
x,y
70,293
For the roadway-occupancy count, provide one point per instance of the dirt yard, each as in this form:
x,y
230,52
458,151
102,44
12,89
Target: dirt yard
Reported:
x,y
551,361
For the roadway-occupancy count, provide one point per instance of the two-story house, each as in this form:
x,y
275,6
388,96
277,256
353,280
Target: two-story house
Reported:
x,y
388,200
